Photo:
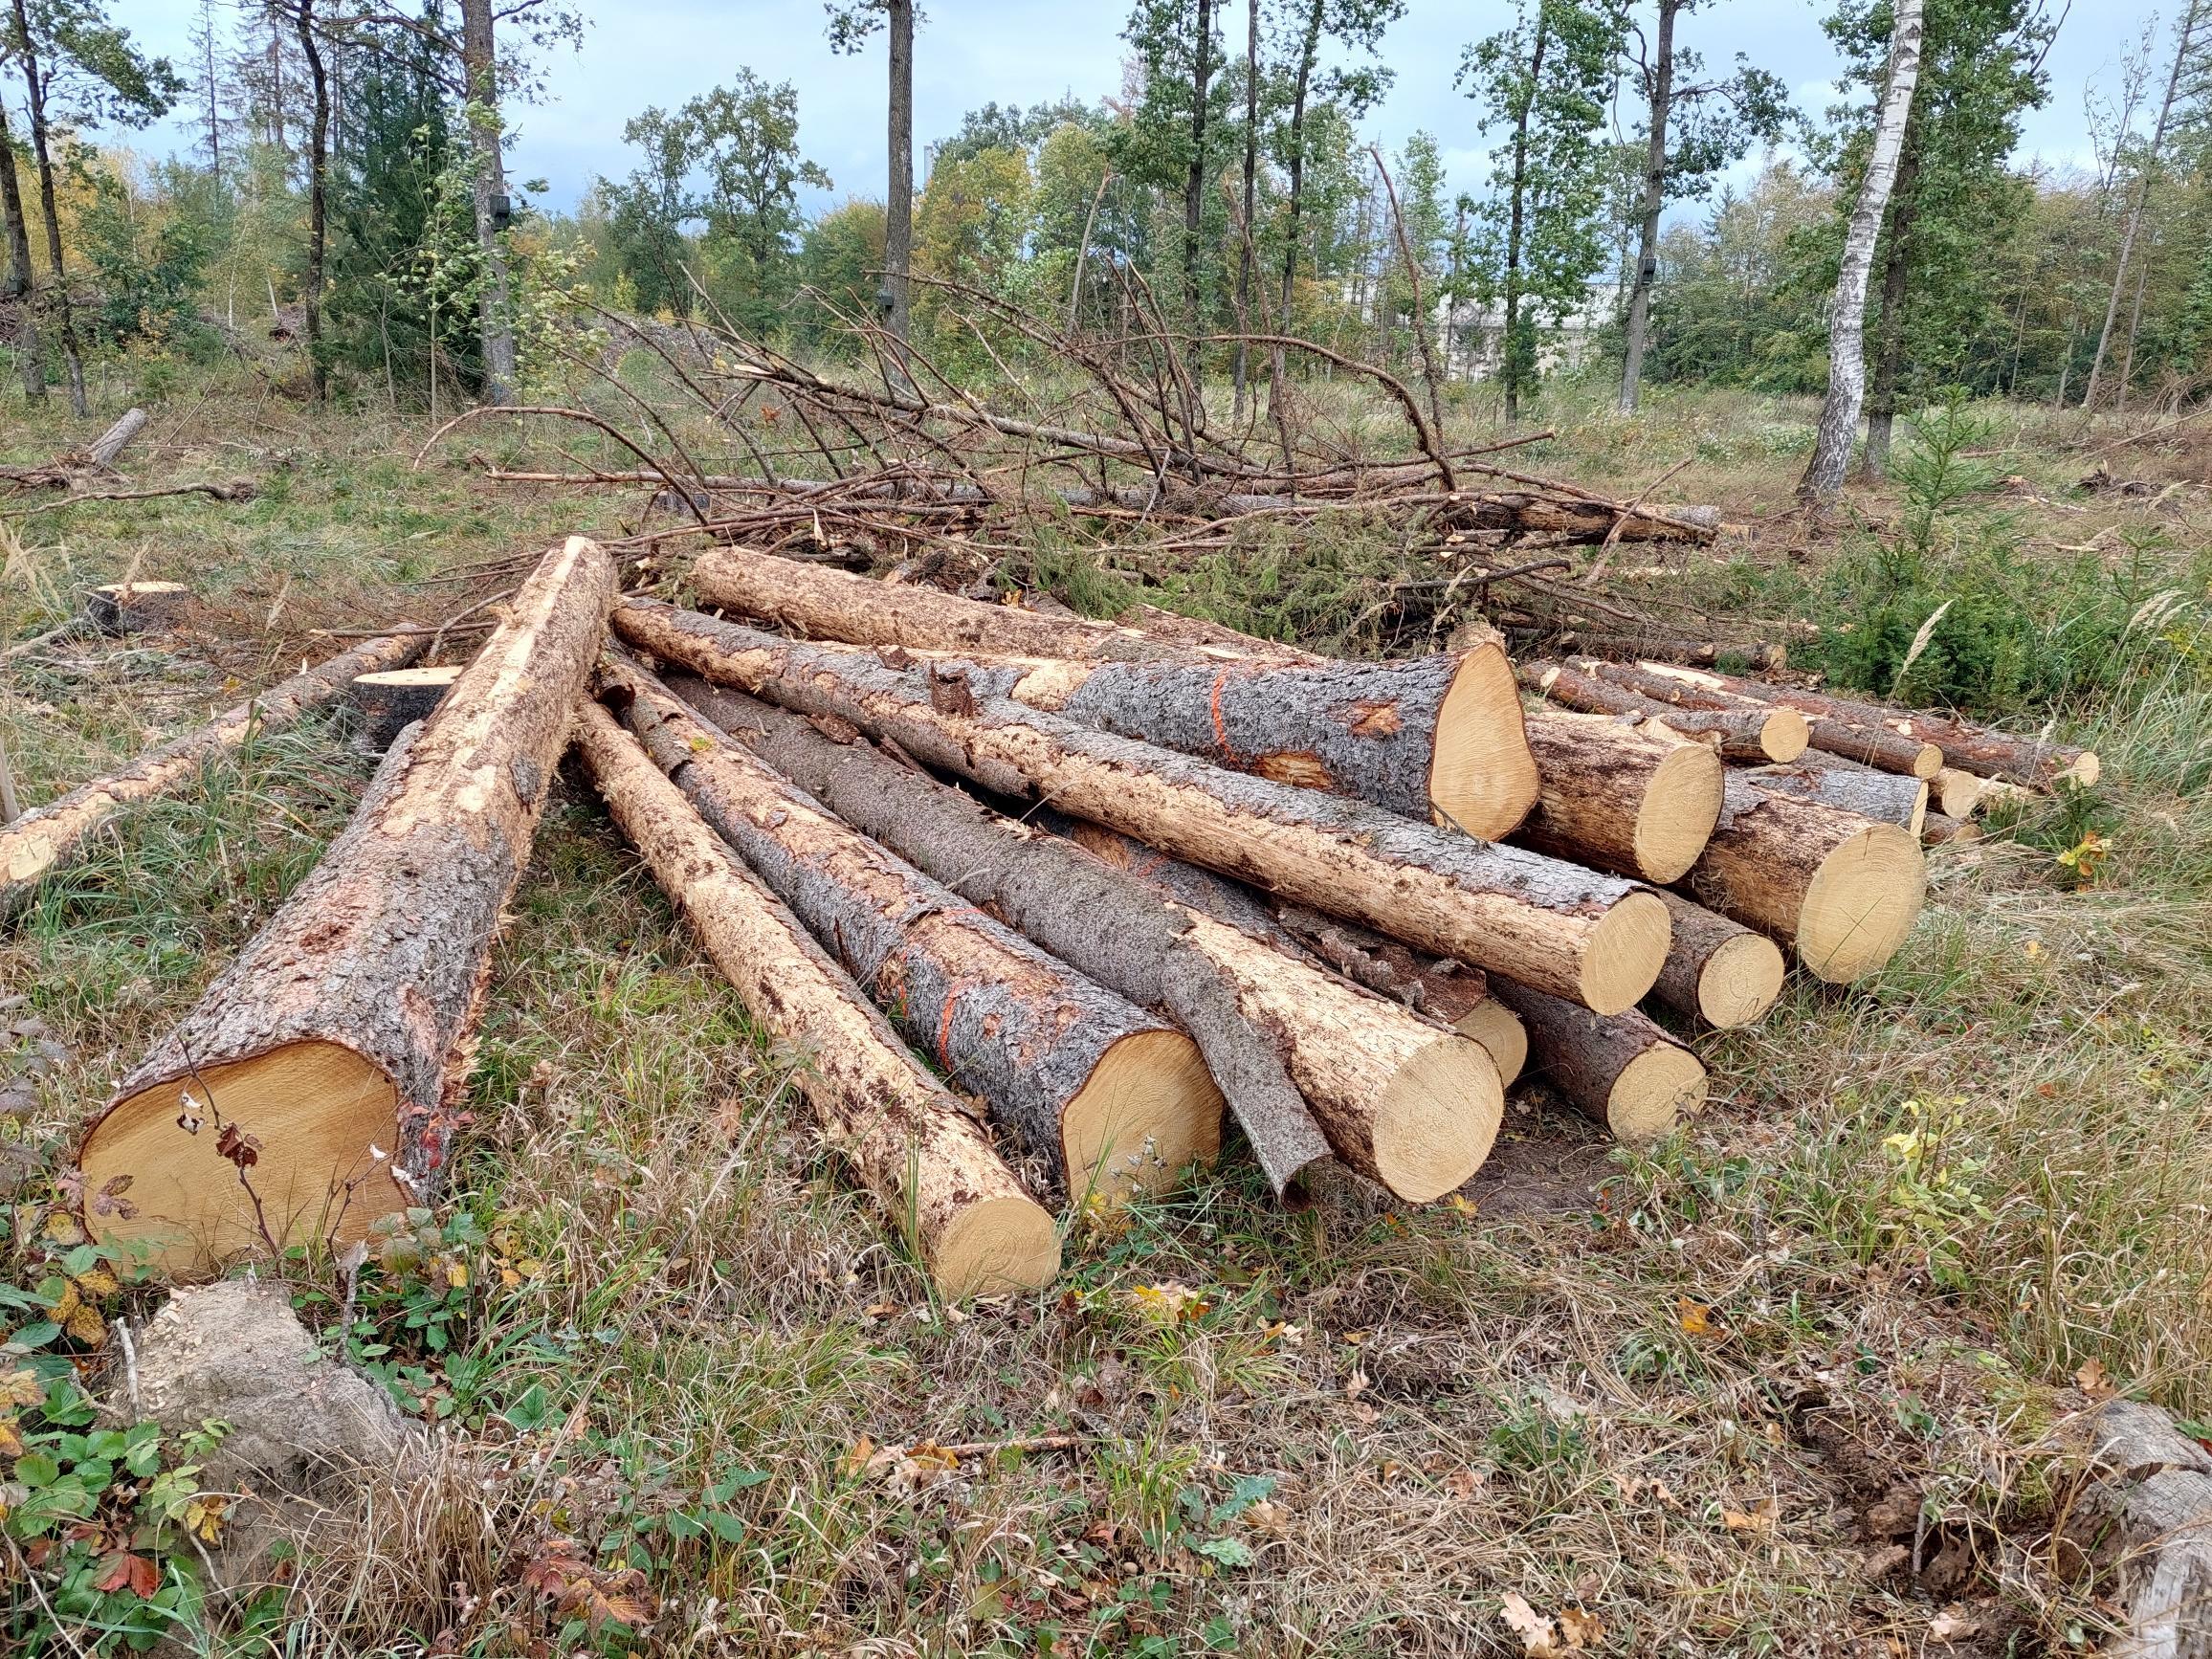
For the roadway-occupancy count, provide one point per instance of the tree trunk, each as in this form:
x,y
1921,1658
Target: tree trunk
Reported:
x,y
479,74
1245,243
34,83
1886,796
18,286
1294,198
318,1083
389,702
317,211
899,202
1194,183
1890,329
49,837
1843,890
1637,803
929,1163
1757,735
102,450
1717,970
1113,1100
1639,328
1868,733
1510,358
1957,794
1824,477
1621,1070
1590,936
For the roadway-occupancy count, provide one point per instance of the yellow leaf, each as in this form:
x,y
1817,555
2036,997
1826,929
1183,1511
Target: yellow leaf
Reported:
x,y
86,1326
62,1228
20,1388
204,1517
99,1280
1695,1317
856,1459
457,1275
10,1439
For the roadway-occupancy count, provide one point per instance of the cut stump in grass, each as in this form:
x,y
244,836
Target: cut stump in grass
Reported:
x,y
118,608
315,1085
1621,1070
1717,970
1638,803
389,702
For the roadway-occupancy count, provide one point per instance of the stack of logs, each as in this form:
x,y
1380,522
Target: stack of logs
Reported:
x,y
1109,878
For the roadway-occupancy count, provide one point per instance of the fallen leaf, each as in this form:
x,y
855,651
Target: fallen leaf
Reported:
x,y
1760,1518
1950,1627
1695,1317
131,1572
1540,1636
2095,1380
1580,1629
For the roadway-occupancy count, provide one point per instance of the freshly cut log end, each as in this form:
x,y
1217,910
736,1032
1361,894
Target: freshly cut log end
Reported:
x,y
1149,1111
1679,814
391,702
1624,956
1437,1119
1652,1092
1957,794
1784,735
1862,903
1484,778
1640,802
1621,1070
1717,970
995,1245
2085,770
136,607
1503,1036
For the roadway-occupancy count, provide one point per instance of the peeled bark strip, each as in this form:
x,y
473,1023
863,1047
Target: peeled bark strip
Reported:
x,y
928,1162
1889,796
1868,733
1592,937
1742,734
119,607
1637,803
1621,1070
46,838
1842,890
337,1042
389,702
1717,970
1118,1100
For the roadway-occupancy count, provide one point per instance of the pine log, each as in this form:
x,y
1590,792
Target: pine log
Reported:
x,y
1717,970
1621,1068
120,608
1744,733
1592,937
49,837
1637,803
103,449
931,1165
1376,1076
1598,643
316,1085
1869,733
1871,744
1116,1100
390,701
1941,830
1871,793
1958,793
1841,889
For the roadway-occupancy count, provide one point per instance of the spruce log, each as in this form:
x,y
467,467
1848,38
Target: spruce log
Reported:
x,y
1589,642
1621,1070
1637,803
1717,970
335,1047
1747,734
1373,1072
1868,745
389,702
1868,733
120,608
1116,1100
931,1165
1834,782
1841,889
1592,937
49,837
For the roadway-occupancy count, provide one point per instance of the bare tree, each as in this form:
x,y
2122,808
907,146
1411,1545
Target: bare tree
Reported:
x,y
1251,157
1194,182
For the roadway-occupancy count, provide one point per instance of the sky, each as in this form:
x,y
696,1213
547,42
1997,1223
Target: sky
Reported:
x,y
640,52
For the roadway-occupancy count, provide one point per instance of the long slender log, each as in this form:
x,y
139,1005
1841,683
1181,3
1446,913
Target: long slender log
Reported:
x,y
1871,793
1717,970
48,838
930,1164
1116,1100
1591,937
316,1084
1841,889
1395,1097
1621,1070
1637,803
1744,733
1598,643
1872,742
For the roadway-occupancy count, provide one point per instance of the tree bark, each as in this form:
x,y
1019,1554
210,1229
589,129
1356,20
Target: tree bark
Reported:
x,y
1590,936
102,450
1841,889
1838,424
1113,1100
339,1039
318,207
34,83
1295,197
479,74
1620,1070
1637,803
1868,733
1245,242
931,1166
1757,734
1510,357
1940,829
48,838
1194,183
1718,971
18,286
1639,329
1886,796
898,201
1890,326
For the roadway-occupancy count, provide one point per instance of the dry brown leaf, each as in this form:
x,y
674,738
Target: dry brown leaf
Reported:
x,y
1540,1636
1760,1518
1580,1629
1950,1627
2095,1380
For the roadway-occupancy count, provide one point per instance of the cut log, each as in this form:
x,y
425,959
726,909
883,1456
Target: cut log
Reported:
x,y
49,837
111,443
1717,970
1652,646
1841,889
1889,796
315,1085
1638,803
118,608
1592,937
1374,1074
1957,794
1872,742
1941,830
390,701
1621,1070
931,1165
1741,734
1118,1101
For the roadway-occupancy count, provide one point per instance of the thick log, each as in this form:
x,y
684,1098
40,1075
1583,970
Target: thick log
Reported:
x,y
1116,1100
1376,1076
46,838
120,608
1592,937
1637,803
1757,734
1872,742
111,443
389,702
315,1085
1717,970
1621,1068
1957,794
931,1165
1843,890
1834,782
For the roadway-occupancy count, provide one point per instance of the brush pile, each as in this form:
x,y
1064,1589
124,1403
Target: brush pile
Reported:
x,y
1040,897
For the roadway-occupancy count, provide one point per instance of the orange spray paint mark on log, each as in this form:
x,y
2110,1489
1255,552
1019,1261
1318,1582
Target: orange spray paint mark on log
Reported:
x,y
1220,730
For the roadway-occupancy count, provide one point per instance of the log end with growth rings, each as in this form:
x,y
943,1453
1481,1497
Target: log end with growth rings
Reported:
x,y
1437,1119
1652,1092
1677,814
1149,1110
1627,950
1740,981
1862,903
1001,1245
1784,735
1503,1036
1483,779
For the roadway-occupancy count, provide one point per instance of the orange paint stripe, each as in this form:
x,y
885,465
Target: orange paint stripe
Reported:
x,y
944,1031
1219,731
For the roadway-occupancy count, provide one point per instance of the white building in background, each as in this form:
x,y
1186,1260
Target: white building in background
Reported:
x,y
1470,334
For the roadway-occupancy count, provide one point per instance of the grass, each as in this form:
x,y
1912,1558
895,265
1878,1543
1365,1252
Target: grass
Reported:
x,y
1690,1405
